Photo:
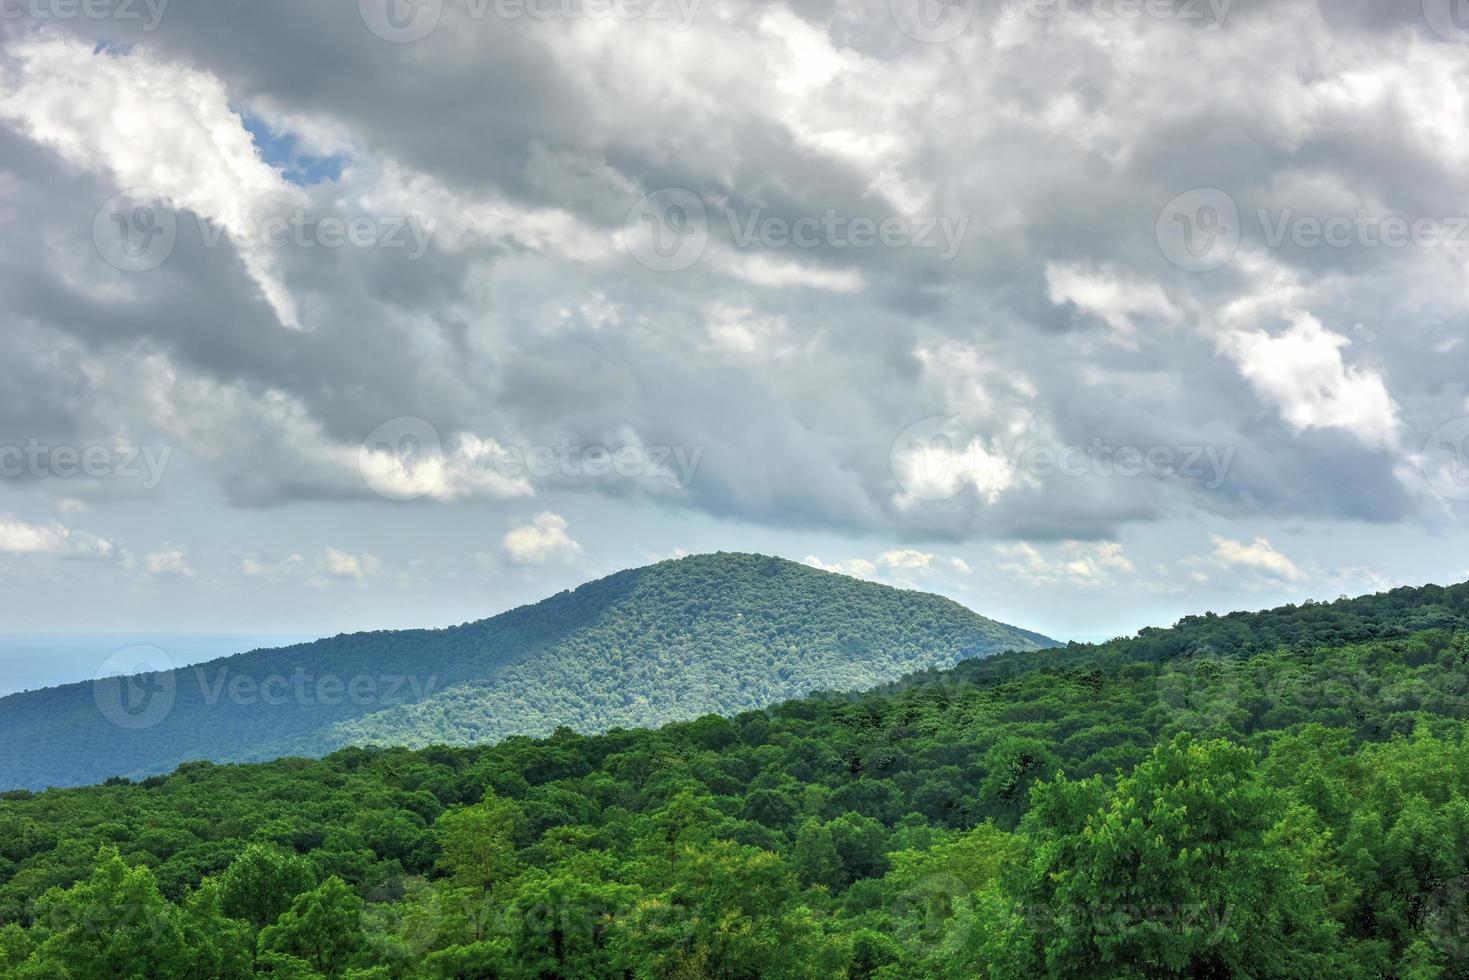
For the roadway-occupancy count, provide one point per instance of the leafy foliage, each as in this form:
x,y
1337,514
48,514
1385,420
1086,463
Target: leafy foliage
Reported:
x,y
711,633
1232,798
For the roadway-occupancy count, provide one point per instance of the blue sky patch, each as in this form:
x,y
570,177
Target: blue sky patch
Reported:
x,y
283,150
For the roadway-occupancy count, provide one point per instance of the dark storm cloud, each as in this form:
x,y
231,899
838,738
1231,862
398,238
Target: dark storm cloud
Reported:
x,y
1058,143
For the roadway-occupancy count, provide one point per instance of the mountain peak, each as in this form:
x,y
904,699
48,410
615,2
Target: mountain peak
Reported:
x,y
692,635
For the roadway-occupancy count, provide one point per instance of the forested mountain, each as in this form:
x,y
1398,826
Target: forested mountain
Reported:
x,y
675,640
1283,794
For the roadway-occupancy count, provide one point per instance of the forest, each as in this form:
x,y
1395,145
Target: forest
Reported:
x,y
718,633
1281,794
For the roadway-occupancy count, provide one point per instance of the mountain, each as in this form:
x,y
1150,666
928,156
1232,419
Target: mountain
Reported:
x,y
1274,794
682,638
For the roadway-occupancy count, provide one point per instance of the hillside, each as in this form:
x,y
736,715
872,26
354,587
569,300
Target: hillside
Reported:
x,y
1279,794
675,640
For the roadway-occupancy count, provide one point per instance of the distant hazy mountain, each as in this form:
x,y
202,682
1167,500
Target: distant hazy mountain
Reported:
x,y
712,633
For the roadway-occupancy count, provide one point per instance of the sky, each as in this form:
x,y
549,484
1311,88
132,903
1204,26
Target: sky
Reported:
x,y
1089,314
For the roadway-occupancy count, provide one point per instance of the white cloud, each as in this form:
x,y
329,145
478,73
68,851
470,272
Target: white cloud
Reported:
x,y
543,539
245,435
740,330
332,565
1118,300
20,538
156,125
169,561
1302,373
939,469
896,562
344,566
270,571
855,567
906,558
1259,556
1077,564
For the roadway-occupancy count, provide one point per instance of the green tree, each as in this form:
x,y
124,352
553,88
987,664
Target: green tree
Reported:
x,y
322,929
477,843
114,924
1175,872
262,882
731,913
815,855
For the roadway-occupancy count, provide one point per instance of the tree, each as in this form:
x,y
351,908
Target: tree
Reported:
x,y
1174,872
322,929
262,882
220,947
861,846
815,855
562,922
731,913
477,843
114,924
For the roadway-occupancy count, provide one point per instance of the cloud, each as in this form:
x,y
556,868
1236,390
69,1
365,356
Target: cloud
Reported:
x,y
343,566
331,566
1260,556
900,566
794,371
151,124
540,541
1302,373
269,571
169,561
855,567
1074,564
20,538
1118,301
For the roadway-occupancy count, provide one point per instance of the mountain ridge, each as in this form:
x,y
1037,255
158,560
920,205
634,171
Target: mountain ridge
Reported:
x,y
706,633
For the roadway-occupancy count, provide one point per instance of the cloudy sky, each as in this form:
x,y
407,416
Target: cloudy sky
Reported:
x,y
335,315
